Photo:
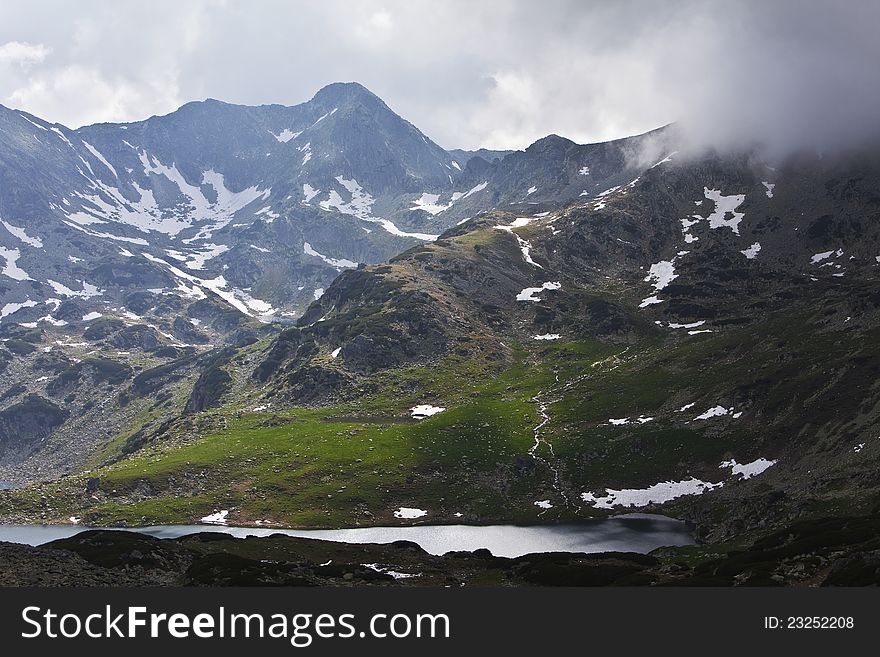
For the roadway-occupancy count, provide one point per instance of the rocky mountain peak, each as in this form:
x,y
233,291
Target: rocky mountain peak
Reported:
x,y
549,143
344,93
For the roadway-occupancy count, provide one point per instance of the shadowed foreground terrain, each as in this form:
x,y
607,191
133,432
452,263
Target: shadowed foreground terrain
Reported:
x,y
829,552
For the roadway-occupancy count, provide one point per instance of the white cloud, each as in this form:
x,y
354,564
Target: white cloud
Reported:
x,y
497,73
110,62
510,113
84,95
23,53
375,29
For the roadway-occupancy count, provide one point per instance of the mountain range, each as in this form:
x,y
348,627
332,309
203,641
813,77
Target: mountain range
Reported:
x,y
316,316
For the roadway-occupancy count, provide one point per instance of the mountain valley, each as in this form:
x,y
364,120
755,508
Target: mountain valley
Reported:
x,y
314,316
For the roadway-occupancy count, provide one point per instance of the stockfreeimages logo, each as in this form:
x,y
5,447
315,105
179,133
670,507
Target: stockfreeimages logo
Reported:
x,y
300,630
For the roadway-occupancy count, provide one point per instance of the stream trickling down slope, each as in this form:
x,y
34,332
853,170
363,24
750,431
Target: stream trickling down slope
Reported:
x,y
543,411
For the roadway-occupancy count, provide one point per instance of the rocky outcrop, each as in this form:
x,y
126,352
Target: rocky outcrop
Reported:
x,y
24,425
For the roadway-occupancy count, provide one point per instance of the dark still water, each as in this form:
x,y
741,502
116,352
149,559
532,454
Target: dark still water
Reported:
x,y
626,533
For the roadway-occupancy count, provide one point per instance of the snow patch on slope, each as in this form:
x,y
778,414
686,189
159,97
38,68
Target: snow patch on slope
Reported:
x,y
528,294
752,252
285,135
659,493
360,205
94,151
339,263
748,470
430,204
309,193
22,235
11,268
724,205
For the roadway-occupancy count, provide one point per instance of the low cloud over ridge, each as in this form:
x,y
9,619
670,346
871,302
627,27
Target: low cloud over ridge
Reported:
x,y
498,74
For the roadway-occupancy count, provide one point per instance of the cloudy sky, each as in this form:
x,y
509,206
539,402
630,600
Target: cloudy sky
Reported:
x,y
492,73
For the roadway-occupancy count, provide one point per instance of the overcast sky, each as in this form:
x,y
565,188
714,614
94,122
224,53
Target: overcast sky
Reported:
x,y
492,73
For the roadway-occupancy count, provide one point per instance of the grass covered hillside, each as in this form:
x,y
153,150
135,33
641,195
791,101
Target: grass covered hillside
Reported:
x,y
694,342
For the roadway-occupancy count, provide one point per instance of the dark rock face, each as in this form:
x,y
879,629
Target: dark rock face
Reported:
x,y
187,332
289,348
20,347
71,310
212,384
103,328
130,273
310,383
25,424
137,336
95,370
152,380
209,389
23,565
464,157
